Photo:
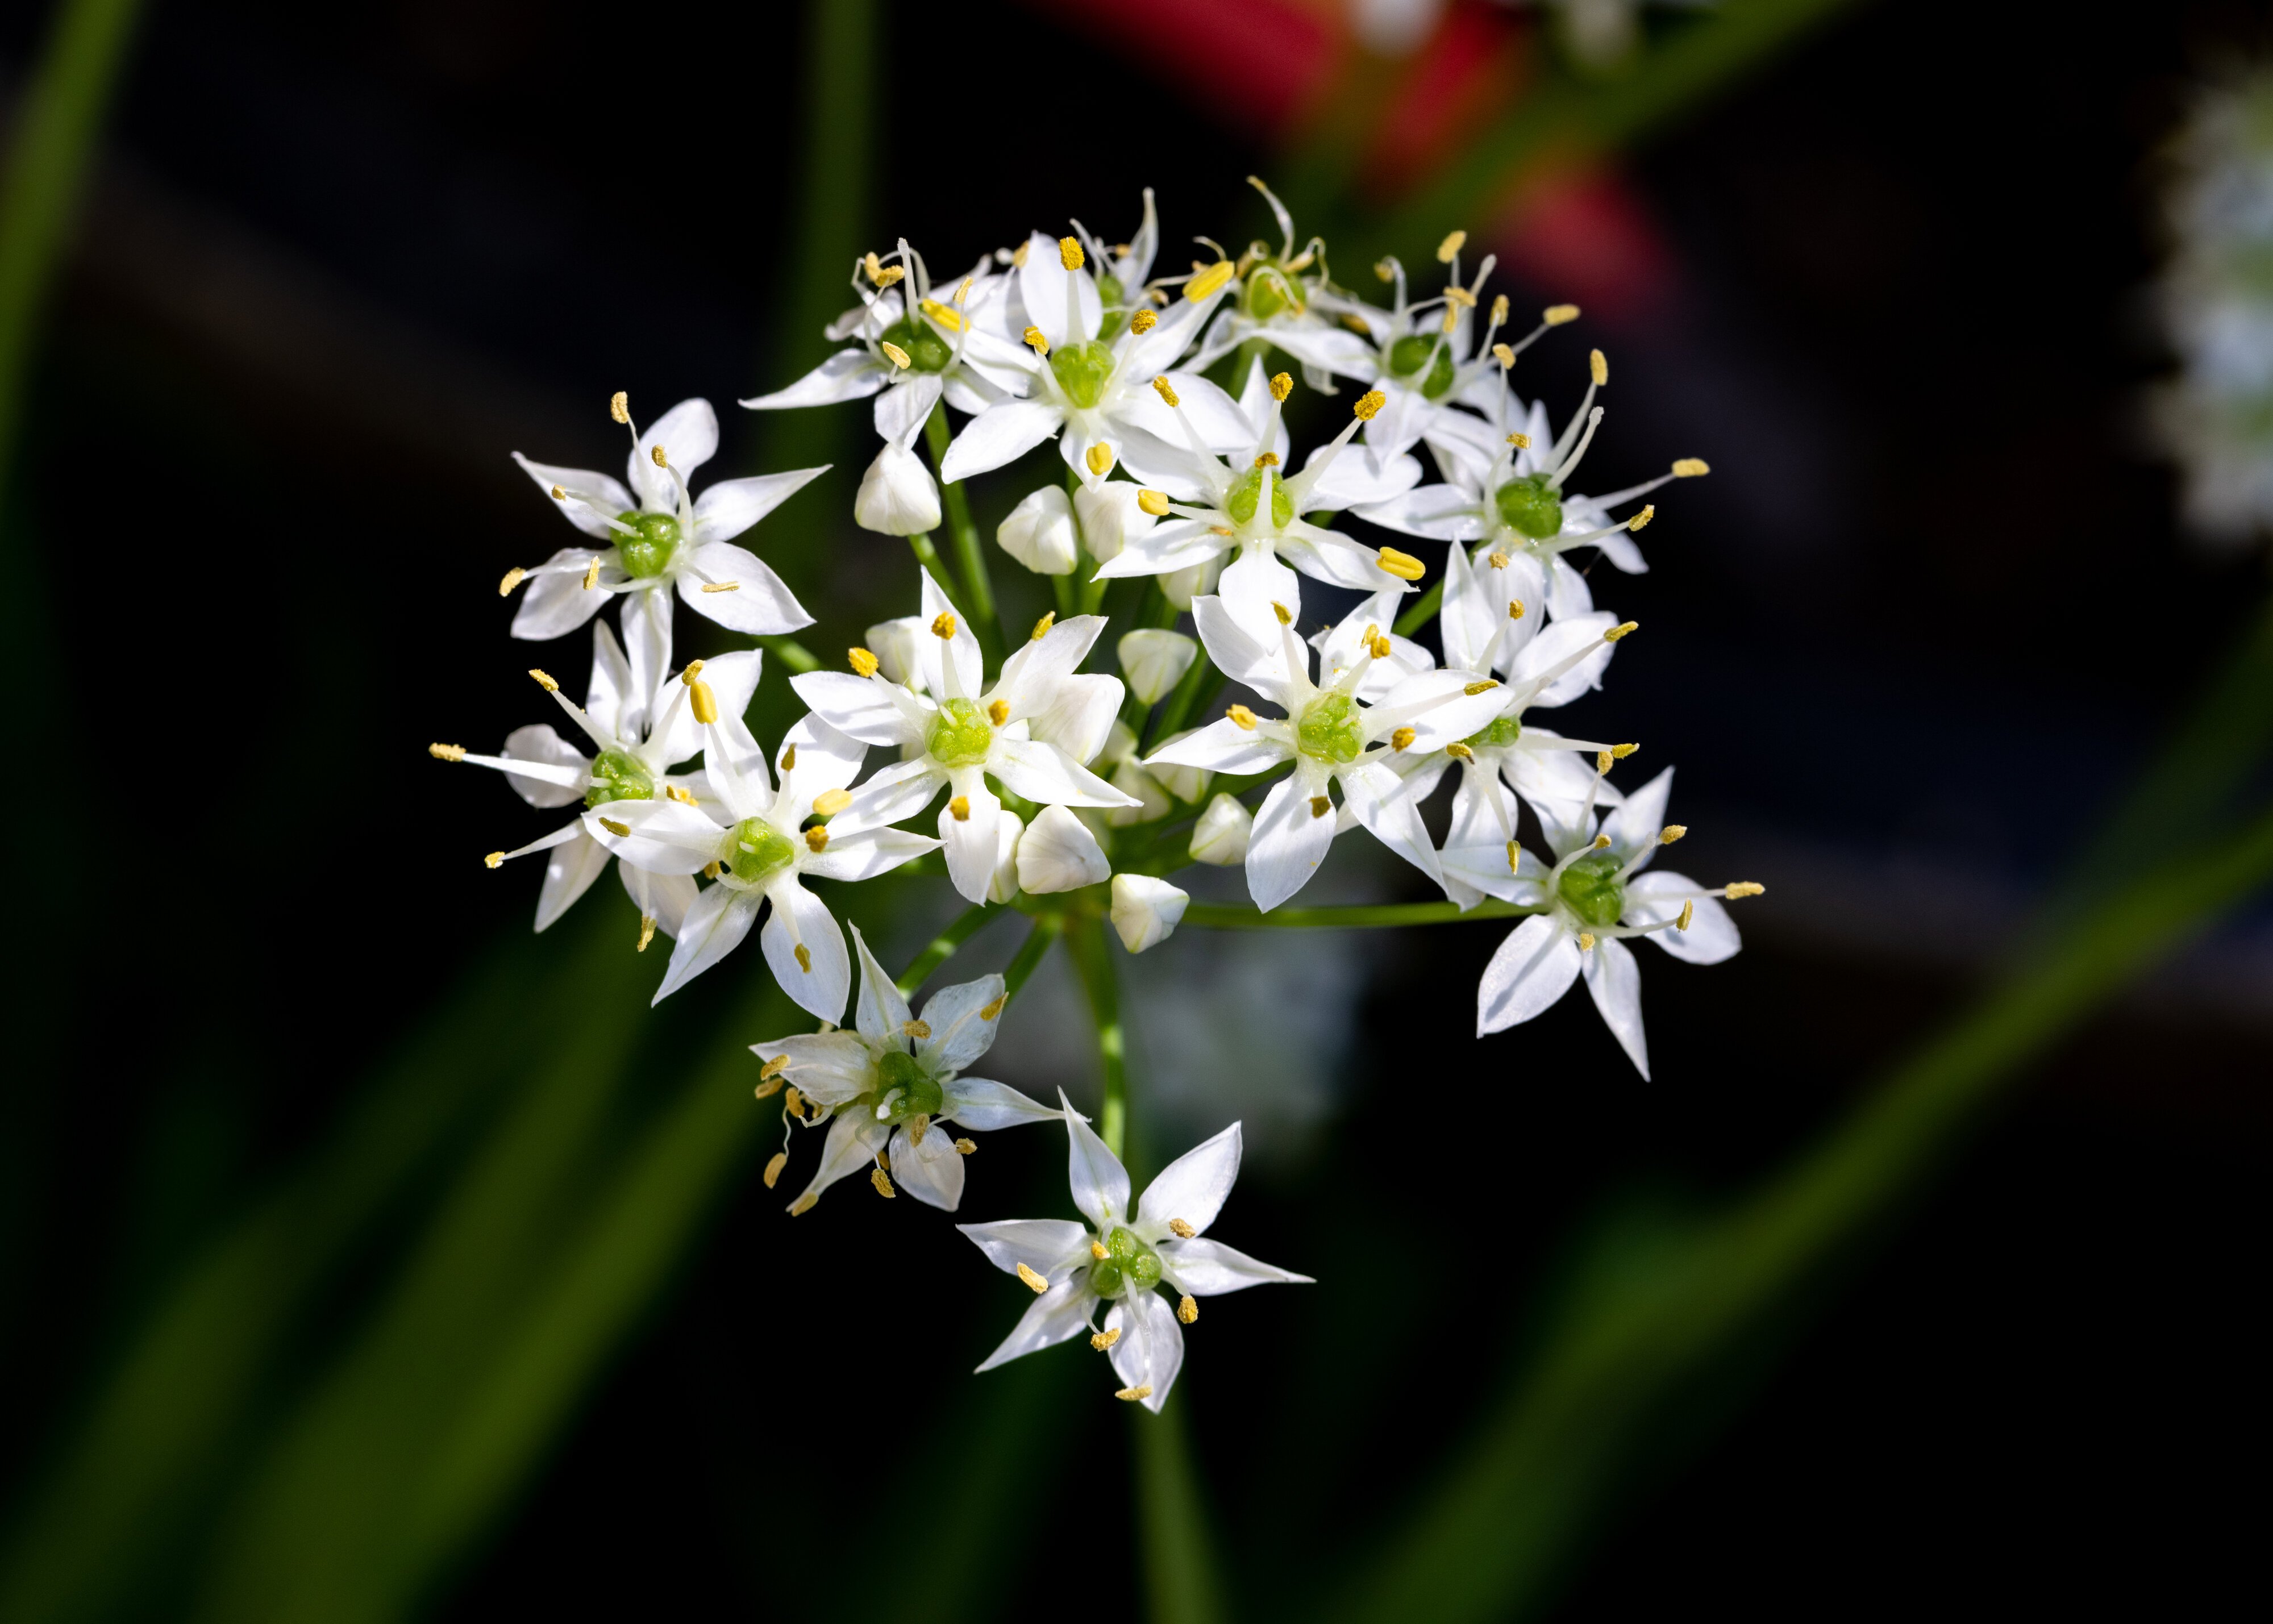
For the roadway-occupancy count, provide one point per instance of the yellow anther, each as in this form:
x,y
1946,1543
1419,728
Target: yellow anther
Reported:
x,y
1515,609
1505,355
1402,740
1586,942
1461,296
1130,1396
1688,912
721,586
1069,254
894,354
1035,341
793,1103
1671,833
619,830
1623,751
945,317
1449,250
882,1181
964,1146
1209,281
873,265
1096,1250
804,958
959,809
1648,512
917,1029
780,1160
1690,468
1282,384
863,662
1499,560
1018,254
1521,442
828,803
1460,752
1286,616
1153,502
1042,627
1267,459
963,293
493,859
1141,322
693,671
446,753
1241,718
1034,1282
994,1009
647,932
1555,315
802,1205
1452,322
816,839
999,712
770,1080
558,495
1320,806
789,759
890,274
943,626
1220,530
711,869
1736,888
1385,270
1403,565
1102,1340
1602,760
774,1068
544,681
512,578
1475,688
1599,367
619,407
702,702
1381,648
1514,858
1165,390
1367,405
1180,1230
655,455
1188,1309
1099,457
1499,310
1626,629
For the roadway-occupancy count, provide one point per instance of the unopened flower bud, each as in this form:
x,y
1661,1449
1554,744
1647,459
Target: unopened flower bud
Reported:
x,y
1145,909
896,496
1153,662
1111,517
1152,801
1186,784
1058,853
1220,837
1040,533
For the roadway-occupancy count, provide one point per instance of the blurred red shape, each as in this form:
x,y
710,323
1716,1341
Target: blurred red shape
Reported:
x,y
1261,62
1584,236
1475,63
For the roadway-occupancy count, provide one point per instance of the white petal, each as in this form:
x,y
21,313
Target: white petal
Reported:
x,y
867,853
806,921
568,769
1634,827
1040,533
902,409
1058,853
1043,773
1210,1268
1151,1350
1533,967
688,434
932,1170
1254,587
568,873
669,837
1064,305
972,843
1152,662
1034,670
1193,1187
1145,910
597,497
854,1138
848,375
960,650
881,1012
555,602
1060,1313
1220,837
961,1028
1372,794
713,927
858,706
1222,746
1614,976
833,1068
1008,830
1079,717
724,510
1047,1246
1286,845
1100,1183
613,690
1658,895
760,605
1002,433
980,1105
663,898
897,495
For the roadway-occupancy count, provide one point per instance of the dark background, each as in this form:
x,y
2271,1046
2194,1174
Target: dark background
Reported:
x,y
1906,643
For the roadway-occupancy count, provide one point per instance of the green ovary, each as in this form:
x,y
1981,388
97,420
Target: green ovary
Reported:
x,y
1109,290
647,550
1331,730
960,736
759,851
1591,889
1531,508
927,351
1247,495
1129,1264
1268,293
618,776
1496,735
1082,370
904,1090
1411,352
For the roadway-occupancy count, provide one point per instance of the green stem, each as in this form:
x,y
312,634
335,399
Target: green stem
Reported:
x,y
1180,1573
1201,679
978,584
1239,916
791,652
1047,930
63,110
959,931
1086,940
927,555
1414,618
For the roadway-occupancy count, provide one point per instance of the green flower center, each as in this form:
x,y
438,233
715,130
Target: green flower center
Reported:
x,y
620,777
927,352
1330,729
647,550
1495,735
1531,508
959,735
1082,370
1109,290
1268,292
759,851
904,1090
1591,889
1129,1264
1247,495
1411,352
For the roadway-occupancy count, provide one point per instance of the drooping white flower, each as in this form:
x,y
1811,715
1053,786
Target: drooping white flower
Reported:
x,y
1154,660
665,538
1123,1257
1275,298
1332,738
889,1087
911,352
1058,853
1595,897
1040,533
1145,910
1031,732
897,495
764,853
640,729
1220,837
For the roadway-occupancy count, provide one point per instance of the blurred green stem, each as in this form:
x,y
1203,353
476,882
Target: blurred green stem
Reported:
x,y
1093,963
62,109
791,652
1200,677
978,584
966,924
1181,1569
1414,618
1239,916
1047,930
927,555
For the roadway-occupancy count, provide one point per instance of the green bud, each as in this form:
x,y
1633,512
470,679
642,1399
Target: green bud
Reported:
x,y
1129,1264
653,538
959,735
760,850
621,778
1591,889
1082,372
1330,729
1411,352
1496,735
1531,508
1247,495
904,1090
927,352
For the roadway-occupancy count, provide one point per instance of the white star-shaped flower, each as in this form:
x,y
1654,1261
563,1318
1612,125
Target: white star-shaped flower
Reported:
x,y
1031,732
1123,1259
1284,300
889,1087
665,538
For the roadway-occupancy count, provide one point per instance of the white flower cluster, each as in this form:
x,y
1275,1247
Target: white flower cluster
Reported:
x,y
1044,782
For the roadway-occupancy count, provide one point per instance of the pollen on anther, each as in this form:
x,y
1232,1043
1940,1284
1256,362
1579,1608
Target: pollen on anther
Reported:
x,y
1450,248
774,1167
1129,1396
1035,341
828,803
1555,315
1096,1250
1623,751
1515,609
1688,912
775,1067
965,1147
446,753
1099,457
1514,858
1181,1229
544,681
1736,888
1207,282
959,809
816,839
1626,630
1475,688
1102,1340
863,662
1499,310
1018,254
1153,502
894,354
702,702
803,1204
1282,384
619,407
1505,355
647,933
789,759
1671,833
621,831
1602,760
1141,322
1367,405
1598,367
1499,560
1320,806
1165,390
1042,627
1267,459
804,958
1586,942
1034,1282
512,578
999,712
1402,740
994,1009
657,455
1461,296
1601,843
882,1181
1069,254
1459,752
711,869
1286,616
1403,565
493,859
1640,519
1690,468
793,1103
1188,1309
942,626
1240,717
